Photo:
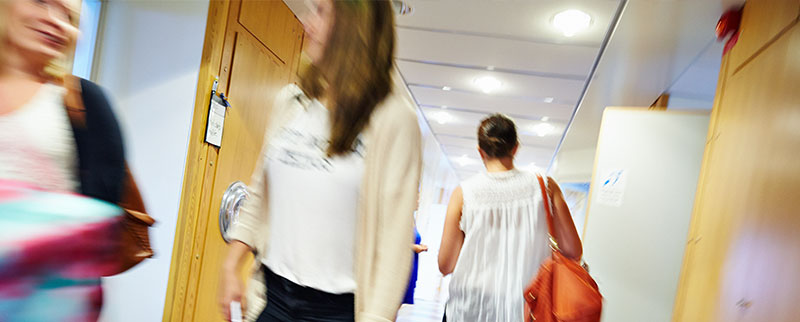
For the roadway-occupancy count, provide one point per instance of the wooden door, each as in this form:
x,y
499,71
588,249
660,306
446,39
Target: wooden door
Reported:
x,y
259,55
743,252
765,100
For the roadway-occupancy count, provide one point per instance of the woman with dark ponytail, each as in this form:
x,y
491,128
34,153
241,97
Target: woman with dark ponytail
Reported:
x,y
495,235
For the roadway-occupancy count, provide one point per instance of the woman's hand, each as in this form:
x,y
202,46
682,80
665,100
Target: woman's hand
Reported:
x,y
419,248
231,289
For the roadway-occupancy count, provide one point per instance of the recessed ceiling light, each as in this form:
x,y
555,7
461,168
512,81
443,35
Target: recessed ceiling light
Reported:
x,y
442,117
571,22
532,167
489,67
548,99
464,160
545,118
488,84
444,107
543,129
446,88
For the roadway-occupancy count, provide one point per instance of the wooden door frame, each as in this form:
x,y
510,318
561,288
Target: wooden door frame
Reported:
x,y
200,169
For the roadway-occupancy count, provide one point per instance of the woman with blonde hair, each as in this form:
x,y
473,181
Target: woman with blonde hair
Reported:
x,y
328,210
58,136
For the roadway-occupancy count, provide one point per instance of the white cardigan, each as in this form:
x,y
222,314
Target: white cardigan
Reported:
x,y
387,200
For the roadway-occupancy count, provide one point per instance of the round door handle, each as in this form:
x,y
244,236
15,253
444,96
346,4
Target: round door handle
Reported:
x,y
232,200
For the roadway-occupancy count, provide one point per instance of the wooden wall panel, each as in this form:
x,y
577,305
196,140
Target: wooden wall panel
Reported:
x,y
274,25
743,251
762,21
765,112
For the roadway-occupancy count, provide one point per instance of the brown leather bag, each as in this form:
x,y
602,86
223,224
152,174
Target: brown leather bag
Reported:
x,y
134,239
562,291
135,236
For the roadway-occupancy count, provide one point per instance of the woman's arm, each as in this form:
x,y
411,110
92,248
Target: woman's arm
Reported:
x,y
452,237
565,233
244,239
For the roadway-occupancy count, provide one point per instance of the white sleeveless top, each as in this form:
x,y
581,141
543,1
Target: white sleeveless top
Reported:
x,y
505,242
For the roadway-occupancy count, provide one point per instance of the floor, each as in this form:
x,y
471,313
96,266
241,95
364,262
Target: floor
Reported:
x,y
430,293
421,311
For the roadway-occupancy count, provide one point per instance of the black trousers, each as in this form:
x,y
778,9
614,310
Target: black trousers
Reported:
x,y
289,302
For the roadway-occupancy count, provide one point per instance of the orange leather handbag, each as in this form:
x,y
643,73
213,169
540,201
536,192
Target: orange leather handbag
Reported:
x,y
562,291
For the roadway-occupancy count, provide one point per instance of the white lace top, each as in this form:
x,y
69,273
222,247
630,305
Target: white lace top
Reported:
x,y
505,242
37,145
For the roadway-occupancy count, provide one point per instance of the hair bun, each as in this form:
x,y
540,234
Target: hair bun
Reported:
x,y
497,136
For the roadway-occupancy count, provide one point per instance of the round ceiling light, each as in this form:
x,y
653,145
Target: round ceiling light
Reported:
x,y
543,129
442,117
465,160
571,22
488,84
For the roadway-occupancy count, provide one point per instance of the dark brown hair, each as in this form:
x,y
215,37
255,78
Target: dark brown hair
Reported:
x,y
354,73
497,136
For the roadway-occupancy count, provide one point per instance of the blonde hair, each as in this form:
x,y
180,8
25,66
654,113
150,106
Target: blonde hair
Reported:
x,y
3,23
355,70
57,68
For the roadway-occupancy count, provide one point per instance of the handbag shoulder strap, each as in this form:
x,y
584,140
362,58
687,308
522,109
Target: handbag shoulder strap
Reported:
x,y
547,208
73,102
76,103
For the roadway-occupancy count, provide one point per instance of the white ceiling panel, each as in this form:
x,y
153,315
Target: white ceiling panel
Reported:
x,y
472,119
451,43
517,19
532,87
456,148
534,140
465,124
481,52
449,142
525,155
471,152
515,107
699,80
457,141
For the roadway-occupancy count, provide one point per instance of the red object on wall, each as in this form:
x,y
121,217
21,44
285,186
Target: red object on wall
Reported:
x,y
729,24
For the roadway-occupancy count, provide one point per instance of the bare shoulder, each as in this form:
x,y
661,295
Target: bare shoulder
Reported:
x,y
458,193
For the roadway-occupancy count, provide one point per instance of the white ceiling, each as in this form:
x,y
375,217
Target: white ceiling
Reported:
x,y
658,46
543,73
696,86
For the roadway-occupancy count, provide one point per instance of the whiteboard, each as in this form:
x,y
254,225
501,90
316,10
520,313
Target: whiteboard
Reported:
x,y
642,192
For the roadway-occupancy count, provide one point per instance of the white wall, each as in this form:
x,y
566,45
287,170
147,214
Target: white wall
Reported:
x,y
635,248
148,63
573,165
84,49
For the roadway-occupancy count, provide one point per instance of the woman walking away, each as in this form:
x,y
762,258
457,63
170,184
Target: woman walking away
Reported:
x,y
495,235
328,211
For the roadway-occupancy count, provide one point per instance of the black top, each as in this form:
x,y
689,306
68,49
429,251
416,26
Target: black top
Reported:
x,y
101,154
